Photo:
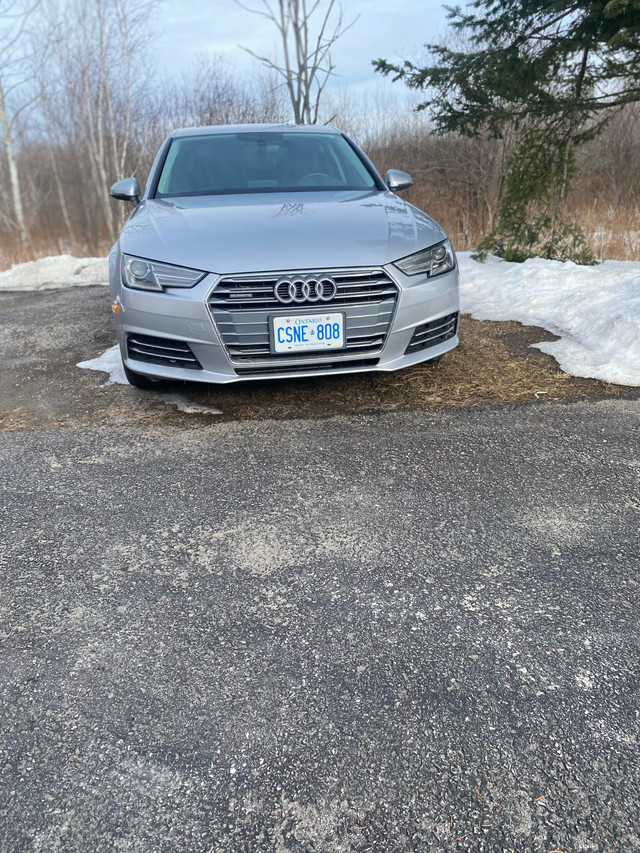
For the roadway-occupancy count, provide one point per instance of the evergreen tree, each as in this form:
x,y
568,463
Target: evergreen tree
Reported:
x,y
552,72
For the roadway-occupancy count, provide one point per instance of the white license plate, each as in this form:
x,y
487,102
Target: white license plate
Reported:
x,y
304,332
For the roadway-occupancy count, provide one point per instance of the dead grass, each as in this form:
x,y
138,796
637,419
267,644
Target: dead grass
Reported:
x,y
612,230
493,364
43,246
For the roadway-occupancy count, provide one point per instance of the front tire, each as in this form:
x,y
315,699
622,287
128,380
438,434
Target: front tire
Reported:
x,y
145,383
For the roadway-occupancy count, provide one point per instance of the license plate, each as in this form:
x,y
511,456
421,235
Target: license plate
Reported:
x,y
305,332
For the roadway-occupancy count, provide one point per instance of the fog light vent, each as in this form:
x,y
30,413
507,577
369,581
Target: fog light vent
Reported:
x,y
433,333
161,351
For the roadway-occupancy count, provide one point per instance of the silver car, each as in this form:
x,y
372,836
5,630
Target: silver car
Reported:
x,y
276,251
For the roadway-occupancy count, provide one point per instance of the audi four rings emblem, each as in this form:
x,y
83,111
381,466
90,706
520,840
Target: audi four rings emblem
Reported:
x,y
305,288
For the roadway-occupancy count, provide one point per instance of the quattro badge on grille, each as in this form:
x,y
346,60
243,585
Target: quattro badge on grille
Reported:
x,y
305,288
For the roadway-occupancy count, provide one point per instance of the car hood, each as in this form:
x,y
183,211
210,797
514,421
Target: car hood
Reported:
x,y
261,232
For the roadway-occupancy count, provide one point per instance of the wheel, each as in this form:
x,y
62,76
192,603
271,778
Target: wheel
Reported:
x,y
145,383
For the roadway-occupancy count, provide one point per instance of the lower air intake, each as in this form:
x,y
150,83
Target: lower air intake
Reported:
x,y
163,351
433,333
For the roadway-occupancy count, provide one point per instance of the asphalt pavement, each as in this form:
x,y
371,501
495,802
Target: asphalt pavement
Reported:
x,y
400,631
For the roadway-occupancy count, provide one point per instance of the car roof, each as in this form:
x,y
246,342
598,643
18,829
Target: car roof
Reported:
x,y
253,128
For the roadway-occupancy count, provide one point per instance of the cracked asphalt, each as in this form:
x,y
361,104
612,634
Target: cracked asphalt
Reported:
x,y
386,631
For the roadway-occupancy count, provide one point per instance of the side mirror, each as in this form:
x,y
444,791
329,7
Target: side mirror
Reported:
x,y
397,180
128,189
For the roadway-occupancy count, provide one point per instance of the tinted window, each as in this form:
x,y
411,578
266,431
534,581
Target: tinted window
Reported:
x,y
261,162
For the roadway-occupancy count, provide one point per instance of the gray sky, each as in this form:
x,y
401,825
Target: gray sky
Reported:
x,y
391,29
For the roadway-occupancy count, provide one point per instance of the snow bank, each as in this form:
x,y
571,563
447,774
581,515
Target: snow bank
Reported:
x,y
594,310
56,272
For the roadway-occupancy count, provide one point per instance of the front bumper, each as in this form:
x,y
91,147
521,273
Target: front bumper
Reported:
x,y
184,317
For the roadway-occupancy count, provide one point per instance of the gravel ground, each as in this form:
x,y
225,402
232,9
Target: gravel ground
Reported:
x,y
398,632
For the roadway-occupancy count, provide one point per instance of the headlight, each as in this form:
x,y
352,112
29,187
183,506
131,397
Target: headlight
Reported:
x,y
152,275
434,261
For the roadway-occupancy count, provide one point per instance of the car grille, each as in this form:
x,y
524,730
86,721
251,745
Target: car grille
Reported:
x,y
161,351
241,307
433,333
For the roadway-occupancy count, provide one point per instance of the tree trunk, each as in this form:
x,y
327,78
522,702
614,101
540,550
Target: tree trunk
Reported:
x,y
61,196
14,177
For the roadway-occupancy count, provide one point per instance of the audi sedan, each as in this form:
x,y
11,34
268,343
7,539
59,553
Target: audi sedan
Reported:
x,y
276,251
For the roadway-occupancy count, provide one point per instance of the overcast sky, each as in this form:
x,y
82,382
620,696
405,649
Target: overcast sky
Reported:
x,y
391,29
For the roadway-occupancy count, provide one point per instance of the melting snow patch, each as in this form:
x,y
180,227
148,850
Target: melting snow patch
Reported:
x,y
109,362
56,272
594,310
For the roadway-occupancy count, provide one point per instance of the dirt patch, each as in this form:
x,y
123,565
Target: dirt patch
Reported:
x,y
44,335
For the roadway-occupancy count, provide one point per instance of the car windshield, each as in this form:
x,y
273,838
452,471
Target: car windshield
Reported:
x,y
261,162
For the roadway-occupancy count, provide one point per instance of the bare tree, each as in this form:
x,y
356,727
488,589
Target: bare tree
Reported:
x,y
16,96
94,85
210,92
307,33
